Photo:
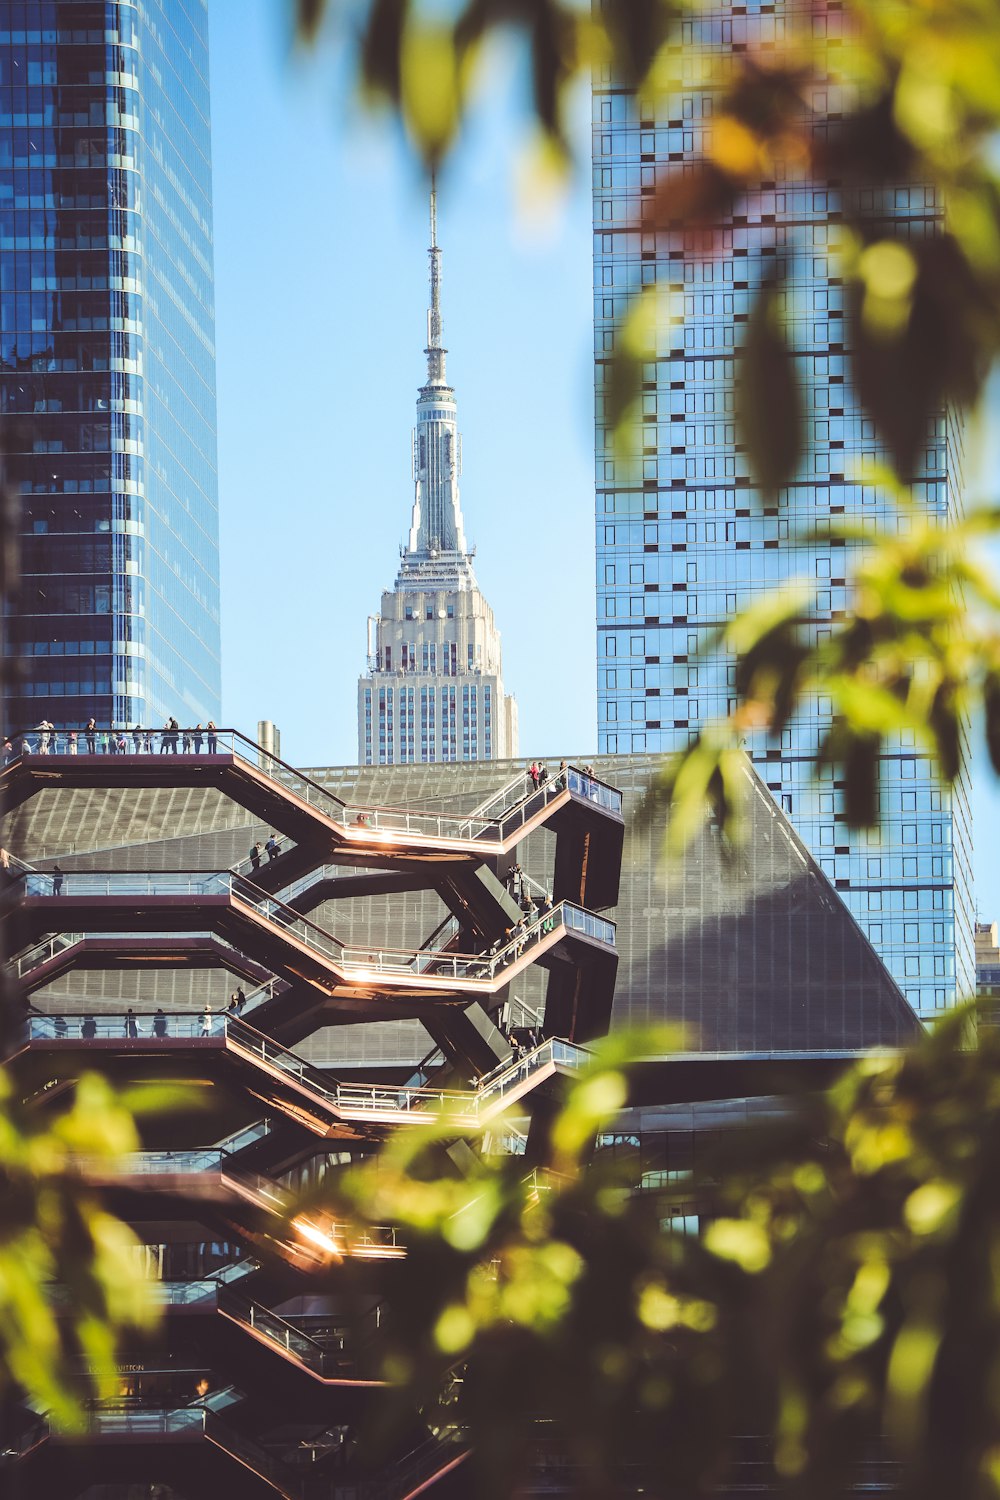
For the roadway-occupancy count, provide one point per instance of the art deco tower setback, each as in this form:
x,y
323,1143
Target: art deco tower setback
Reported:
x,y
107,359
434,687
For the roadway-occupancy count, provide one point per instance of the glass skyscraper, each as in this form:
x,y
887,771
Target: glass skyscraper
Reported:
x,y
108,359
683,541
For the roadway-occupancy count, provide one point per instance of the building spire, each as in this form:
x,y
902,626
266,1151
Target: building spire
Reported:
x,y
434,351
436,526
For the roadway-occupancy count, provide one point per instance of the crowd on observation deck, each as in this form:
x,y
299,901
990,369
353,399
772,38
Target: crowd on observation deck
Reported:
x,y
45,739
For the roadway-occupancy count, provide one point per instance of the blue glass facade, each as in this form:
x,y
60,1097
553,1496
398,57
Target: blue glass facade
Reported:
x,y
683,541
107,381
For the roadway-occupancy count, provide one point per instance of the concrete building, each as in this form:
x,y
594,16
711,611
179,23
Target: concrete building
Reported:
x,y
433,690
107,352
684,540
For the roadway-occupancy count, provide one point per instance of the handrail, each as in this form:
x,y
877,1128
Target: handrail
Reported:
x,y
349,1101
368,820
516,783
323,1359
197,883
198,1418
364,962
428,1458
240,1447
334,1238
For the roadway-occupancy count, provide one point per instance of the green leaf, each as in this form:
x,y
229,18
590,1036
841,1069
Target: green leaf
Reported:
x,y
382,46
991,706
768,399
638,29
308,16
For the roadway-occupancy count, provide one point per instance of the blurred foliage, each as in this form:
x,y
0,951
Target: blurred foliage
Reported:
x,y
857,99
861,97
844,1286
916,653
55,1229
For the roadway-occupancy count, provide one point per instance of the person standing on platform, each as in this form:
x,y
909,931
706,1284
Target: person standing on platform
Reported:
x,y
241,1000
137,740
159,1022
206,1022
90,735
57,881
131,1029
256,850
273,849
71,742
213,743
196,739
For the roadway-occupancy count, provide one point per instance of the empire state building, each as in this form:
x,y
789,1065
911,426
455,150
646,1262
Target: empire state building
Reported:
x,y
434,689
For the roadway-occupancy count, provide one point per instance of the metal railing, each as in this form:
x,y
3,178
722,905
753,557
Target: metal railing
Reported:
x,y
205,1290
197,1420
339,1238
328,1359
430,1457
368,820
348,1101
362,963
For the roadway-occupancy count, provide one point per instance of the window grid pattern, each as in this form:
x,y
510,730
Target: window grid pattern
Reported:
x,y
683,541
107,334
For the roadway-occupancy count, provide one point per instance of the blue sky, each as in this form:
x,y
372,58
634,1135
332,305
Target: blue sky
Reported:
x,y
321,290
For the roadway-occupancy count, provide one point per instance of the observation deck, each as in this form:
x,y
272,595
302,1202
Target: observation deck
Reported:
x,y
273,927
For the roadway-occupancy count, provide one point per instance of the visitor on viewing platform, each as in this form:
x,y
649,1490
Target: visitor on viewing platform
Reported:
x,y
71,743
563,778
137,740
256,850
241,1000
159,1023
57,881
131,1028
233,1006
9,753
273,848
533,774
88,1028
90,735
206,1022
213,743
197,739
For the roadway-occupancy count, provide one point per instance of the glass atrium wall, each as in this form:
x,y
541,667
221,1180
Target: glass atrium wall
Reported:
x,y
683,540
108,363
